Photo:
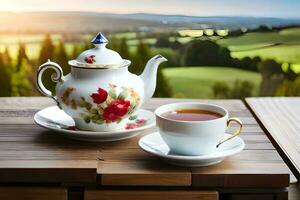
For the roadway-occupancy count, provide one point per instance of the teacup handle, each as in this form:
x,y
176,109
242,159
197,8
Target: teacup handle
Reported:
x,y
238,131
55,77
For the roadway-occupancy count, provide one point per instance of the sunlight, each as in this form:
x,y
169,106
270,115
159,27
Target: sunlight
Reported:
x,y
175,78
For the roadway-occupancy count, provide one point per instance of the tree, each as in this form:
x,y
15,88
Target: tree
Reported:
x,y
47,52
289,88
272,76
207,53
163,42
247,63
76,51
263,28
236,32
163,89
61,58
6,76
21,85
289,73
124,49
221,90
21,55
7,58
87,45
176,44
255,61
140,59
224,57
114,44
241,89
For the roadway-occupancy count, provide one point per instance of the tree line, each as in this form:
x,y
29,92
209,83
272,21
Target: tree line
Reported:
x,y
278,79
17,76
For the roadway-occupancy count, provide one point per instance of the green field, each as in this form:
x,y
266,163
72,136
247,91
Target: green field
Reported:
x,y
197,82
191,82
285,36
281,53
282,46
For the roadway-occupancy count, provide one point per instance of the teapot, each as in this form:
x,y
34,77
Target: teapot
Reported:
x,y
99,93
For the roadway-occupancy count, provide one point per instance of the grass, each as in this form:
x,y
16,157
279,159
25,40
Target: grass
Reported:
x,y
286,36
135,42
281,53
197,82
290,31
127,35
282,46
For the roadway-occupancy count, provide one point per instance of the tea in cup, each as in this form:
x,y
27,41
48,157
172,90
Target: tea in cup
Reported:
x,y
194,128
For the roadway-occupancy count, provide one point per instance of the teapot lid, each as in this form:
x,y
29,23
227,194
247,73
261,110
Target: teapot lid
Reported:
x,y
99,56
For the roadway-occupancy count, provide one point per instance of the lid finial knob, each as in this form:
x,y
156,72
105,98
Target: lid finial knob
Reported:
x,y
99,39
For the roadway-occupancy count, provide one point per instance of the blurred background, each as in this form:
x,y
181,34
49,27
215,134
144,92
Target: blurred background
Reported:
x,y
216,48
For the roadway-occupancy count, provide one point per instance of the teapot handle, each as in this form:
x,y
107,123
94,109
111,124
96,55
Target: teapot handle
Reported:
x,y
55,77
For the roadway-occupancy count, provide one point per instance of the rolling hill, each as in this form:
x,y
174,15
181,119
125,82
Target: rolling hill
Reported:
x,y
41,22
197,82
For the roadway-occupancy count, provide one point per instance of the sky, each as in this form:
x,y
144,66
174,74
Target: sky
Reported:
x,y
261,8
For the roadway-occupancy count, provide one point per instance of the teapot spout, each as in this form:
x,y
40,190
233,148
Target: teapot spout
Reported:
x,y
149,75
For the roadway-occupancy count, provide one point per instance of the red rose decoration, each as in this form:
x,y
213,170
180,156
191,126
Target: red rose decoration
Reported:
x,y
115,110
99,97
90,59
131,126
140,122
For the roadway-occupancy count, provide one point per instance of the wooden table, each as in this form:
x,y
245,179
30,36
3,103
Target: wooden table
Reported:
x,y
38,164
280,119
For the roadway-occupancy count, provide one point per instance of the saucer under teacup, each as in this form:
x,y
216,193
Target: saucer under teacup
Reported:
x,y
154,144
57,120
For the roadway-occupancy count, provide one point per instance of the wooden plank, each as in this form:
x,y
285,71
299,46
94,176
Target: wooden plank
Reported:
x,y
30,153
149,195
250,168
246,169
33,193
138,154
113,171
294,191
280,117
25,103
54,171
25,143
252,196
142,173
252,162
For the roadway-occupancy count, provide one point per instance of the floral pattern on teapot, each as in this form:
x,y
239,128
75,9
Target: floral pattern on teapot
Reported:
x,y
90,59
87,95
106,106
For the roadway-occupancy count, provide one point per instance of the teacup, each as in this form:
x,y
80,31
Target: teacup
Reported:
x,y
194,137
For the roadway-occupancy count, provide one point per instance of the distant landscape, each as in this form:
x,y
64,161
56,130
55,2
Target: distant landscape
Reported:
x,y
86,22
249,46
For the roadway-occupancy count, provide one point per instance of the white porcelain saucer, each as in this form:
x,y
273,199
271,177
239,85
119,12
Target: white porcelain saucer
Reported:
x,y
154,144
57,120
